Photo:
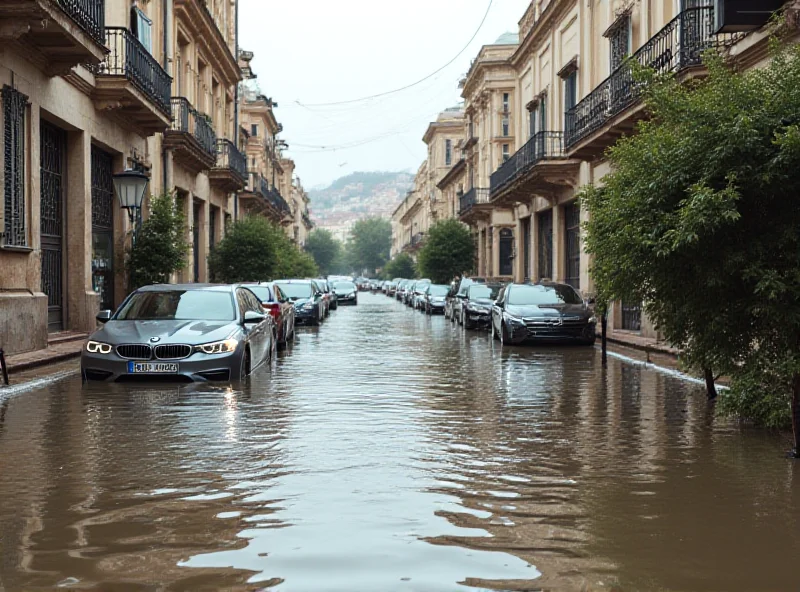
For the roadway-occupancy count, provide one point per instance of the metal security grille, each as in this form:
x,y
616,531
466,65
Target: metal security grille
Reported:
x,y
505,252
103,227
526,248
546,244
14,105
52,152
572,244
196,242
620,42
212,225
631,316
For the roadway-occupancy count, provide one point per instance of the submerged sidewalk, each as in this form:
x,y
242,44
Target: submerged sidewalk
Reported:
x,y
61,346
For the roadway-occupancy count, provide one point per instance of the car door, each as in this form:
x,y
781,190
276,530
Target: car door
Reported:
x,y
255,333
286,316
497,310
266,329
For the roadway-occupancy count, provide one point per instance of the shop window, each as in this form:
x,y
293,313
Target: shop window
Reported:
x,y
14,106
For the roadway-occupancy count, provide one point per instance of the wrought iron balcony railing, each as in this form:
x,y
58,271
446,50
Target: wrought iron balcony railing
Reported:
x,y
90,16
307,219
230,157
540,146
476,195
679,45
276,199
188,120
129,58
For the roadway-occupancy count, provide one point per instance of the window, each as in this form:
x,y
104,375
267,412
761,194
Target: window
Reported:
x,y
448,152
620,39
142,27
572,245
505,102
505,127
543,113
14,106
570,93
533,123
254,130
506,154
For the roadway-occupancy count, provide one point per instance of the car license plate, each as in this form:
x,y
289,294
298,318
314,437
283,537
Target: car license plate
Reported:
x,y
151,368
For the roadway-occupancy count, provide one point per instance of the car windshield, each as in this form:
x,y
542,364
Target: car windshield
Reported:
x,y
296,290
527,295
179,305
439,290
263,293
344,286
465,283
483,291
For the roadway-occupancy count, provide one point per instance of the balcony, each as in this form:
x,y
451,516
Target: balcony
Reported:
x,y
230,171
131,82
472,139
195,17
279,205
190,137
56,35
613,107
473,204
307,221
538,168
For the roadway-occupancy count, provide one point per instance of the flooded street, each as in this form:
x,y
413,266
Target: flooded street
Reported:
x,y
387,450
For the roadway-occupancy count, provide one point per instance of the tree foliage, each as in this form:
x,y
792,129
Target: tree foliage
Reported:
x,y
325,250
370,243
448,250
401,266
699,220
161,247
255,249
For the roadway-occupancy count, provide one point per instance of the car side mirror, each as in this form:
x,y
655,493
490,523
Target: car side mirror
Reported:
x,y
251,317
498,304
103,316
591,300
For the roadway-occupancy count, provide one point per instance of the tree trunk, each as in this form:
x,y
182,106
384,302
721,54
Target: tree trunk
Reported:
x,y
796,414
711,388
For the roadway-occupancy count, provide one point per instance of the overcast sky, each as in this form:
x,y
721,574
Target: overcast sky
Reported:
x,y
311,52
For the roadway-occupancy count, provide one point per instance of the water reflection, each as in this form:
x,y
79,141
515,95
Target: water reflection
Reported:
x,y
391,451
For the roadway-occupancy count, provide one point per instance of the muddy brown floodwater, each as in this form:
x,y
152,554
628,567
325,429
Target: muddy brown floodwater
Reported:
x,y
392,451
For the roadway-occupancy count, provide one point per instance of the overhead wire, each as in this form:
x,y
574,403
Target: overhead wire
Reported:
x,y
413,84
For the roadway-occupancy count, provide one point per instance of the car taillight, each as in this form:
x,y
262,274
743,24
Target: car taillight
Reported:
x,y
274,309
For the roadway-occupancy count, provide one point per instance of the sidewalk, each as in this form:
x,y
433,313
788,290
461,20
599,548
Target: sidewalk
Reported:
x,y
636,341
60,346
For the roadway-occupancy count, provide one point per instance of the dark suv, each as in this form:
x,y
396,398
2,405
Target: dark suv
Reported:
x,y
452,307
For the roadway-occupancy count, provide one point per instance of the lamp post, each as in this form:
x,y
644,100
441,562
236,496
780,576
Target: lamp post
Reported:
x,y
129,186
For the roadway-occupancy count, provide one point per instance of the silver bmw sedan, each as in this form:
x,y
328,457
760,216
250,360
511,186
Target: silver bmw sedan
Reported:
x,y
180,333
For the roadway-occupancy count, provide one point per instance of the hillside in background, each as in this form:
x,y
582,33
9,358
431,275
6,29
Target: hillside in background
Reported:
x,y
358,195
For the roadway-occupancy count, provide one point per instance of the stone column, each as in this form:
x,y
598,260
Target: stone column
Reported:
x,y
559,265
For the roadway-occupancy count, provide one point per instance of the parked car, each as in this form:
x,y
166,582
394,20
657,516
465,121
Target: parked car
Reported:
x,y
400,291
392,287
180,332
346,292
362,283
408,291
453,304
309,305
544,312
418,296
279,307
476,306
327,295
435,295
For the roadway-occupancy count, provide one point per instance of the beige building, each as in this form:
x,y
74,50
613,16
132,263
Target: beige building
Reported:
x,y
544,105
89,89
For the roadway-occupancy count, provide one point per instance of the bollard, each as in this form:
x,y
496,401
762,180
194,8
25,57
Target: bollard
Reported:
x,y
3,366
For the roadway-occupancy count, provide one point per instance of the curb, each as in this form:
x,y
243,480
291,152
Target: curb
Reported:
x,y
28,365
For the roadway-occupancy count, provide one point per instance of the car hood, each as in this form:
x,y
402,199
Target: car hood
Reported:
x,y
301,301
191,332
548,310
481,302
345,291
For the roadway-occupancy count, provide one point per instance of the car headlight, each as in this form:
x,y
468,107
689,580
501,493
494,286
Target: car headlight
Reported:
x,y
475,308
95,347
308,306
592,320
511,319
225,346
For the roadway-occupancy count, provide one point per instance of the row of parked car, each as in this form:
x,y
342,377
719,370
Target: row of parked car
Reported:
x,y
206,332
514,313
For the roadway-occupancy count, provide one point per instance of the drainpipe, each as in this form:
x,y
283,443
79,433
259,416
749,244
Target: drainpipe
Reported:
x,y
236,100
166,56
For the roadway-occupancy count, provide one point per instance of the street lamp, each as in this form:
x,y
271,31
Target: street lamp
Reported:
x,y
130,186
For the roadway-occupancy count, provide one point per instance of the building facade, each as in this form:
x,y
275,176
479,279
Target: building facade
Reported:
x,y
89,89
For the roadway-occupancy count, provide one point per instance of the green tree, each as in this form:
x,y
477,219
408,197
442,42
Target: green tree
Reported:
x,y
448,250
325,249
370,243
255,249
161,247
699,220
401,266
